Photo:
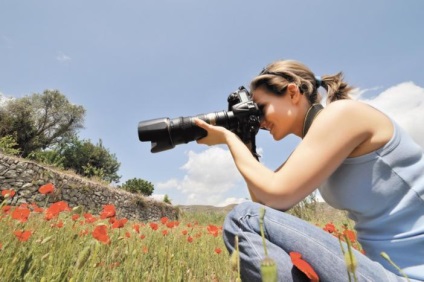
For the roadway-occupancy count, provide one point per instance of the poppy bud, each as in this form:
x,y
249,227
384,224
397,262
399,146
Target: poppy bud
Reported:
x,y
268,270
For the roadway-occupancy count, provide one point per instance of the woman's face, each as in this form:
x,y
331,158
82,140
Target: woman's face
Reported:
x,y
278,112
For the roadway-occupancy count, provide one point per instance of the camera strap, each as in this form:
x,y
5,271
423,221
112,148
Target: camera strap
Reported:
x,y
311,114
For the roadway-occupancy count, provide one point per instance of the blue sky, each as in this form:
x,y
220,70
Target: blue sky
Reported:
x,y
129,61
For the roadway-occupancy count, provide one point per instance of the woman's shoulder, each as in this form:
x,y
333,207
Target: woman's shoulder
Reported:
x,y
352,109
346,105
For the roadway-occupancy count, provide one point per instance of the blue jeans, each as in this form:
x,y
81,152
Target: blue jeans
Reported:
x,y
285,233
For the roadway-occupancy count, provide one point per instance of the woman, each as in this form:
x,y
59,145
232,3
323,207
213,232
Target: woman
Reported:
x,y
360,159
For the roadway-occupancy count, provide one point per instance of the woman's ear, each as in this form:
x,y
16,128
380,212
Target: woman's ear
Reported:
x,y
293,92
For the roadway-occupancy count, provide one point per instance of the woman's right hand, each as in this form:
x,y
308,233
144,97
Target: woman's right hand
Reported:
x,y
216,134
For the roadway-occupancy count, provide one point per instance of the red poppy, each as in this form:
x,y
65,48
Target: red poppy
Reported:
x,y
55,209
184,232
83,232
145,249
164,220
100,233
128,234
212,229
142,236
58,225
154,225
189,239
218,250
8,193
89,218
6,209
46,189
108,211
330,228
75,217
21,214
303,266
22,235
36,208
136,227
171,224
119,223
164,232
350,235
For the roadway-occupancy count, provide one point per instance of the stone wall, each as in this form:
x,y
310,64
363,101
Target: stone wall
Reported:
x,y
26,177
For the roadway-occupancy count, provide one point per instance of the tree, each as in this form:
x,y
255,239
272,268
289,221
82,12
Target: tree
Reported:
x,y
166,199
89,160
138,185
40,121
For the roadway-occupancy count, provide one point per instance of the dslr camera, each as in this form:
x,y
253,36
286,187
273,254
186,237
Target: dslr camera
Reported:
x,y
243,117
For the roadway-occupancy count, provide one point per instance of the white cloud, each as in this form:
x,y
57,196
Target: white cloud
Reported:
x,y
405,104
209,175
61,57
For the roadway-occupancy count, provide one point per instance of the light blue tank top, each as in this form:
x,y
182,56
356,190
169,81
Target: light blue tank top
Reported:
x,y
383,192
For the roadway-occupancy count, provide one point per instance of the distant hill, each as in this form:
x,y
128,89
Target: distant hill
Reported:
x,y
203,208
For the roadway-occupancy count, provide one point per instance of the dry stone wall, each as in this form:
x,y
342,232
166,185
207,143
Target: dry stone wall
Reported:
x,y
25,177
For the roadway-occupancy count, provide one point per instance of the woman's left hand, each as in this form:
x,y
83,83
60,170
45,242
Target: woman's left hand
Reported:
x,y
216,134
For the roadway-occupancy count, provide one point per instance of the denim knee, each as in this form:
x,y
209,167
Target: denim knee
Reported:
x,y
233,223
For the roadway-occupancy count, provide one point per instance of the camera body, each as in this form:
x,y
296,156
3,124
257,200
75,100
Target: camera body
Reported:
x,y
243,117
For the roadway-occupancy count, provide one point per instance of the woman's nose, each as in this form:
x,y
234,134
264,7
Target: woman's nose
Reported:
x,y
264,124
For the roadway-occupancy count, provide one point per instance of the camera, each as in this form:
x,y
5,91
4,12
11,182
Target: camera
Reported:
x,y
243,117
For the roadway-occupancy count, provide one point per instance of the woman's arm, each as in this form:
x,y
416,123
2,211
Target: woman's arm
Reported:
x,y
336,132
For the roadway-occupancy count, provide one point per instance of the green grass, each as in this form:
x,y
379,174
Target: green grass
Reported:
x,y
64,248
187,252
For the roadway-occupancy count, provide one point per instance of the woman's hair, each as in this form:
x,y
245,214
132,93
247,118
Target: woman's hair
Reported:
x,y
276,76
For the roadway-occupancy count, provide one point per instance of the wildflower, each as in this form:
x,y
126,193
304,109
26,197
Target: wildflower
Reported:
x,y
142,236
145,249
189,239
184,232
119,223
154,225
136,227
128,234
22,235
218,250
330,228
350,235
36,208
6,209
46,189
268,270
75,217
164,232
108,211
89,218
164,220
21,214
55,209
171,224
58,225
8,193
303,266
83,232
100,233
212,229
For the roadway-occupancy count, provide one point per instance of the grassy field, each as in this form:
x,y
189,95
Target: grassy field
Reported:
x,y
56,243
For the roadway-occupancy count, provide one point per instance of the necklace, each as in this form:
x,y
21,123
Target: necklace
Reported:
x,y
311,114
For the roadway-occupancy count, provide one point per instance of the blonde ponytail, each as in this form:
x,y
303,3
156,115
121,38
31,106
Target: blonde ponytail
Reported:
x,y
276,76
336,88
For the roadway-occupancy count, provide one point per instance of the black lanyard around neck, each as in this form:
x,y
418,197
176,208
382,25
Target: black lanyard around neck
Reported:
x,y
311,114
